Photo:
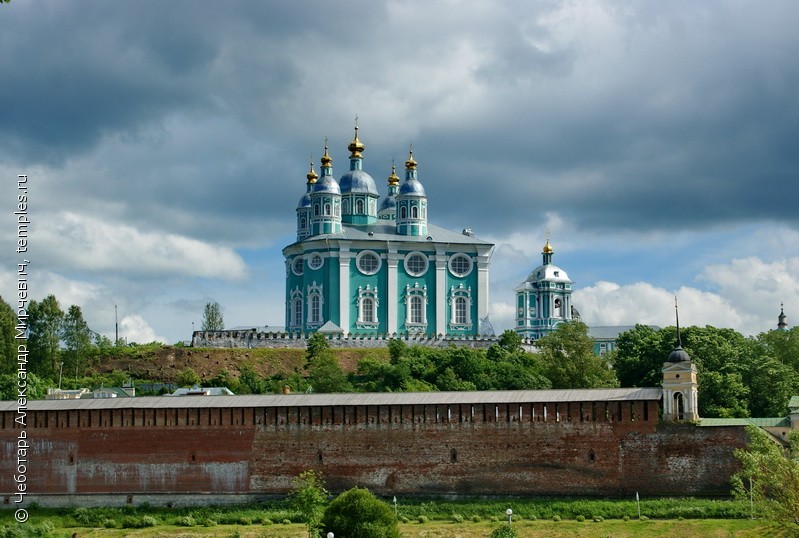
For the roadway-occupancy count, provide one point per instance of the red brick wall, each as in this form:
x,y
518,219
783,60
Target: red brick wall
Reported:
x,y
581,448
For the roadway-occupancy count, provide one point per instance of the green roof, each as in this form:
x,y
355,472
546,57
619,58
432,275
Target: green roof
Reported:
x,y
759,422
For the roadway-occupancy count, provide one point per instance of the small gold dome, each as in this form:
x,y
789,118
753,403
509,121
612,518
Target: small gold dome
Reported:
x,y
410,164
393,179
312,177
326,160
356,146
547,248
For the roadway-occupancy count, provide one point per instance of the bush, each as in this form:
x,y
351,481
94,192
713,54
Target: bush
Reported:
x,y
643,518
209,522
109,523
457,518
556,517
357,512
599,519
148,521
244,520
286,522
505,531
476,518
626,518
185,521
422,519
580,518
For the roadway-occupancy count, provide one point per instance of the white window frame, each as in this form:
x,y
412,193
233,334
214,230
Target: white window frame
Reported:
x,y
315,318
345,205
313,258
460,256
368,299
407,259
363,253
295,314
298,265
412,293
457,295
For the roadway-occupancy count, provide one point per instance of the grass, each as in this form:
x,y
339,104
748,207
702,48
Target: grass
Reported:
x,y
470,518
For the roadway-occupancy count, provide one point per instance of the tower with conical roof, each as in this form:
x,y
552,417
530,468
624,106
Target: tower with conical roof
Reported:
x,y
782,324
388,207
543,300
358,191
326,200
411,202
680,384
304,208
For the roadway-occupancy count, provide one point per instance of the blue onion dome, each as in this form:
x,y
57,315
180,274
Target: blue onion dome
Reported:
x,y
326,184
411,186
358,181
389,202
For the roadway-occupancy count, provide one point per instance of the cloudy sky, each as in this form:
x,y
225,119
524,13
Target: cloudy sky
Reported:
x,y
166,146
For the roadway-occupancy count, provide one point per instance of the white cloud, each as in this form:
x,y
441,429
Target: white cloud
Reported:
x,y
74,241
136,329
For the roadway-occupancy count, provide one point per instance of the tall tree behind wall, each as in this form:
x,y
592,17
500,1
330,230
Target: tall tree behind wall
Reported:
x,y
44,323
212,317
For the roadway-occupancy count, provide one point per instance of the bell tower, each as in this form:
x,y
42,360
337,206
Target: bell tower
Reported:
x,y
680,385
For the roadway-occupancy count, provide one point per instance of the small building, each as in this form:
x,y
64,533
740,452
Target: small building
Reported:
x,y
203,391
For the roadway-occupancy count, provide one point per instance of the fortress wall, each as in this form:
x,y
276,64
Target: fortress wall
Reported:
x,y
596,448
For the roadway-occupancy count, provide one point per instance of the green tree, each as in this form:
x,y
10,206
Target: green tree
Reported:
x,y
212,317
44,324
250,382
569,361
327,376
357,512
308,497
639,356
188,377
37,386
504,531
317,344
769,477
77,338
8,342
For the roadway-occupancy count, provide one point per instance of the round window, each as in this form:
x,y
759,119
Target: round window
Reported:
x,y
368,262
416,264
460,265
316,261
296,266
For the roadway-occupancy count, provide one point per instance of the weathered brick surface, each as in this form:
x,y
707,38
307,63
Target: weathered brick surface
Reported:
x,y
593,449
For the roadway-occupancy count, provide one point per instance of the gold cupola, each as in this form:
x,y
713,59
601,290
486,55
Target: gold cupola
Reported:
x,y
356,146
327,161
312,177
393,179
410,164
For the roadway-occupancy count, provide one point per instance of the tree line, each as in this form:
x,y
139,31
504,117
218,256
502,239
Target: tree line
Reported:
x,y
738,376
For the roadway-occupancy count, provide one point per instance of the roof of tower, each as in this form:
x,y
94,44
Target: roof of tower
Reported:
x,y
679,354
411,186
393,179
305,201
548,273
358,181
356,146
547,248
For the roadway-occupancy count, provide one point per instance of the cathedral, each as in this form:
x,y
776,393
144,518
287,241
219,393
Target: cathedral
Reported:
x,y
366,266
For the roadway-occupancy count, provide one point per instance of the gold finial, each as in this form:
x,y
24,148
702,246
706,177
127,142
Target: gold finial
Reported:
x,y
312,173
393,179
326,160
356,146
410,164
548,247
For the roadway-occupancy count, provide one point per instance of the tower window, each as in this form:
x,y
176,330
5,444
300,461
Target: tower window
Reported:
x,y
414,212
403,212
316,261
316,210
296,312
316,313
297,266
327,209
359,206
416,309
303,223
345,206
368,310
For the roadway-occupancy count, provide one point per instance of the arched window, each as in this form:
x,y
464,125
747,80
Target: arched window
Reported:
x,y
345,206
416,304
679,406
558,308
296,312
403,212
303,223
316,210
316,308
359,206
327,208
414,212
461,310
368,310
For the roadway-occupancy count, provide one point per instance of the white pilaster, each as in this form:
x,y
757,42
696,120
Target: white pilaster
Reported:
x,y
483,263
344,286
441,291
392,259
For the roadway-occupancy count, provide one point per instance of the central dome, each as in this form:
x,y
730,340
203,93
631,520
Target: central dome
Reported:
x,y
357,181
548,273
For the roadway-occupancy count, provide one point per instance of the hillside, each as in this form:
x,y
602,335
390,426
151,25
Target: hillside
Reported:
x,y
163,363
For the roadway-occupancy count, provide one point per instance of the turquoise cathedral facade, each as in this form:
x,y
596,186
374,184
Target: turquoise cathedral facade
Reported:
x,y
362,265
